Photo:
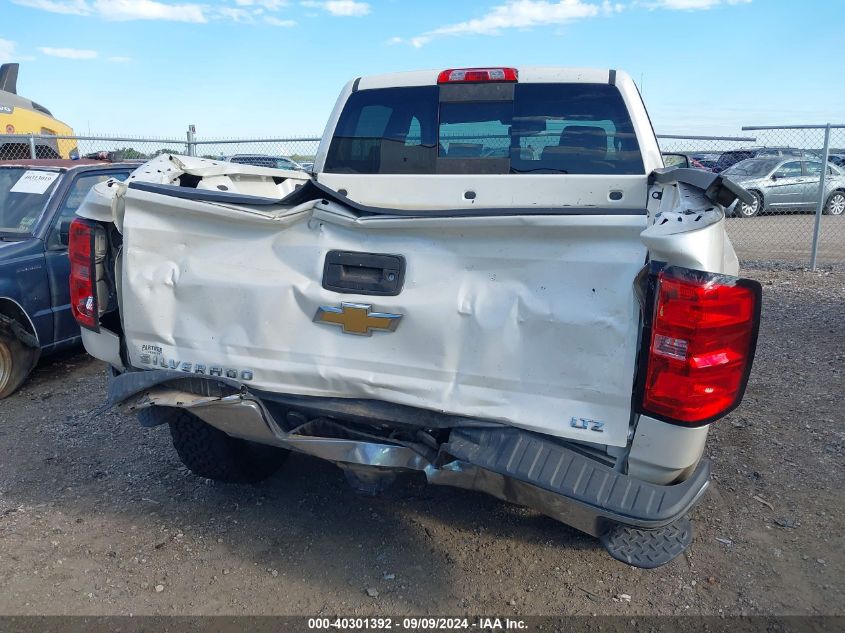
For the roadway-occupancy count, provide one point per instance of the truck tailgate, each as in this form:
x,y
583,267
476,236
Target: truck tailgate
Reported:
x,y
528,320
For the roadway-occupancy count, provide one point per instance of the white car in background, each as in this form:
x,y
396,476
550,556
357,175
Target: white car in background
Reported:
x,y
786,185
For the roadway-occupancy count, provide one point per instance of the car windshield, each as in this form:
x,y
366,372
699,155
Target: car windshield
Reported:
x,y
24,194
752,167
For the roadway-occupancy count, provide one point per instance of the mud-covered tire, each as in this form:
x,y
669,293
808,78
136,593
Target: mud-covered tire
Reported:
x,y
210,453
16,361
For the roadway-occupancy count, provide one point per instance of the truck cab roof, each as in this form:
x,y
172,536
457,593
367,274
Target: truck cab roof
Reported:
x,y
526,74
440,139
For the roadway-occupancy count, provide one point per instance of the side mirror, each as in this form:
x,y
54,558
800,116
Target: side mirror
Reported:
x,y
675,160
778,174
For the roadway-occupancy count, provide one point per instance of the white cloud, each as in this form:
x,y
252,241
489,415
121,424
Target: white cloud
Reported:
x,y
75,7
7,51
124,10
236,14
244,11
274,21
517,14
347,7
690,5
344,8
69,53
270,5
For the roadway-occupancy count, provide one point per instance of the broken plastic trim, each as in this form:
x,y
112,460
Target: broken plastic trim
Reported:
x,y
313,191
718,189
202,195
13,328
511,464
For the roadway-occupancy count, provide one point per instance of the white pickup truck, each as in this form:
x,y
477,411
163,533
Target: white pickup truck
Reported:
x,y
489,277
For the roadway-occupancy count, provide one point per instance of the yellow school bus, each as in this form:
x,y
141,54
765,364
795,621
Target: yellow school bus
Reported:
x,y
19,115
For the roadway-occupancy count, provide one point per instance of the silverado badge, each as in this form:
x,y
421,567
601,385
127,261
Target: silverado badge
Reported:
x,y
357,318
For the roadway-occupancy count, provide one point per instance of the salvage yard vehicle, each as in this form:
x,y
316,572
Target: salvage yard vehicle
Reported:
x,y
19,115
732,157
38,201
490,278
786,185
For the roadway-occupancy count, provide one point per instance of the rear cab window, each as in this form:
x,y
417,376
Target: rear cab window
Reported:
x,y
533,128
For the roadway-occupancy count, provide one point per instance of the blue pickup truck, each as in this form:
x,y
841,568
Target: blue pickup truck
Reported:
x,y
38,200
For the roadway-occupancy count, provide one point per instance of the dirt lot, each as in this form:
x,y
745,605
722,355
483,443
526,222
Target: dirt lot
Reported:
x,y
97,516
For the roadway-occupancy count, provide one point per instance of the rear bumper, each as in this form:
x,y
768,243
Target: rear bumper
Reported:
x,y
560,482
517,466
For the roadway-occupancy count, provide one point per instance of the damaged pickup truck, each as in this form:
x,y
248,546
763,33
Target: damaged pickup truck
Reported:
x,y
490,278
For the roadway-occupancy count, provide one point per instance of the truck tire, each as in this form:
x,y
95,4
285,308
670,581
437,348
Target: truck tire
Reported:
x,y
16,361
210,453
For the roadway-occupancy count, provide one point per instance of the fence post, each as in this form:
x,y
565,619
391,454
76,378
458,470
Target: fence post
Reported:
x,y
192,148
32,153
820,205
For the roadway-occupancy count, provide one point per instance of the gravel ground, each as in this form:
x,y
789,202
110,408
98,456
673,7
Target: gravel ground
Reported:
x,y
788,237
97,515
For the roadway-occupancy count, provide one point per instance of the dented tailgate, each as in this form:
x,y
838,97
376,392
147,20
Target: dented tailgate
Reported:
x,y
529,320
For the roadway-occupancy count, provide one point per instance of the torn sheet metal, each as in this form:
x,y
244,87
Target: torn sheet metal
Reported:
x,y
686,225
105,202
529,320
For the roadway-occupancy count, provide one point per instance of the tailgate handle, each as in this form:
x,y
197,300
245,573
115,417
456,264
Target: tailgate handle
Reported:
x,y
364,273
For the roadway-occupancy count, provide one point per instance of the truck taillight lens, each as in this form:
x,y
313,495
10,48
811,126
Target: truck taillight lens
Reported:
x,y
701,340
477,75
86,249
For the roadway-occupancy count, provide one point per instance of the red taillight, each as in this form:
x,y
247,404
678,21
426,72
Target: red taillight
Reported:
x,y
476,75
701,345
82,247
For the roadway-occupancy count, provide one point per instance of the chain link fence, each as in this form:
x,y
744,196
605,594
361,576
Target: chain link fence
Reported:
x,y
301,150
798,214
24,147
796,220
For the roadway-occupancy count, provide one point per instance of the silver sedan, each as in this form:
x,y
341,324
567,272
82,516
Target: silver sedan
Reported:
x,y
779,184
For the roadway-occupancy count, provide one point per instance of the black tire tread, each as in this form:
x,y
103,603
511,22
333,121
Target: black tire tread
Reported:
x,y
648,549
210,453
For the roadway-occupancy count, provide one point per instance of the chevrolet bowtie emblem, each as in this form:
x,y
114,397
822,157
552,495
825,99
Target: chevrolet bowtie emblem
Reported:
x,y
357,318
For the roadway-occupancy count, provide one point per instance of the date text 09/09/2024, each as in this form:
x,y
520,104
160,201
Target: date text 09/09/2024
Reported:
x,y
416,624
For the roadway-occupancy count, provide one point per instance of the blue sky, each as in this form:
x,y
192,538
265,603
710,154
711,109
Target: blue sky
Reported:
x,y
238,68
